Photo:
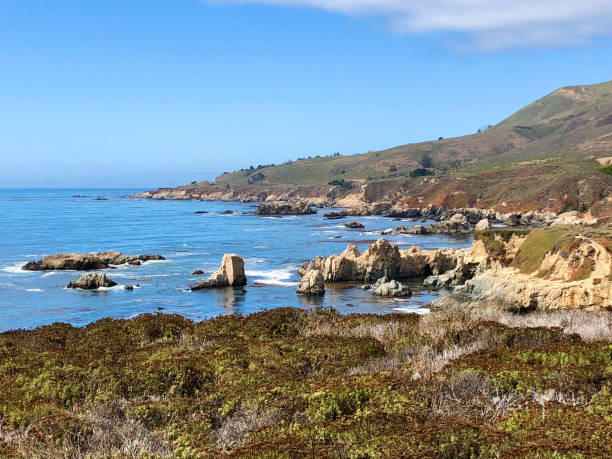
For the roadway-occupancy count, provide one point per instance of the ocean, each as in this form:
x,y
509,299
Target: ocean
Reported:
x,y
34,223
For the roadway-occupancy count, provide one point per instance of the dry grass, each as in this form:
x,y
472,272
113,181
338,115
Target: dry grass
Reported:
x,y
591,326
108,432
236,429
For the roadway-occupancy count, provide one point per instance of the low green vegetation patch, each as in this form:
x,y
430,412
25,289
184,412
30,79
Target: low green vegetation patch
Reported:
x,y
606,169
296,383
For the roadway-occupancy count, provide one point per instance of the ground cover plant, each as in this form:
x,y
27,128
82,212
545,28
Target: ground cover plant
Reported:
x,y
295,383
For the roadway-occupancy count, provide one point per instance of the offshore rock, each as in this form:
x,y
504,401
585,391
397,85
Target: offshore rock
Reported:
x,y
87,261
312,283
285,208
354,225
391,288
92,281
230,274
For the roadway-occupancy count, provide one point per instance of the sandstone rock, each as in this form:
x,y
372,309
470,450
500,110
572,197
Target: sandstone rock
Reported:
x,y
92,281
391,288
312,283
483,225
230,274
379,260
354,225
285,208
88,261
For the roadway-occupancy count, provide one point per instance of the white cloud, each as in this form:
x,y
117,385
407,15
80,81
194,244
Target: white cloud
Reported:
x,y
483,24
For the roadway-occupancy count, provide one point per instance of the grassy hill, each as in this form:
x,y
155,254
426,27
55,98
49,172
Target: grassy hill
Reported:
x,y
570,120
546,156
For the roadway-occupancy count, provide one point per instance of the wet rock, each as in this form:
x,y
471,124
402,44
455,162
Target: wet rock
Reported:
x,y
230,274
227,212
334,215
201,211
483,225
128,287
92,281
354,225
312,283
285,208
197,272
87,261
391,288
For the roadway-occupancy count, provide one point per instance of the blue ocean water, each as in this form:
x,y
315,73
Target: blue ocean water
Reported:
x,y
34,223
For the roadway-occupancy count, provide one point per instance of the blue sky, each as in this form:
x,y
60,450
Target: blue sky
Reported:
x,y
156,93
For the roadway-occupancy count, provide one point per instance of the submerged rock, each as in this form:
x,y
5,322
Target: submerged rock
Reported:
x,y
354,225
312,283
285,208
197,272
227,212
391,288
92,281
87,261
230,274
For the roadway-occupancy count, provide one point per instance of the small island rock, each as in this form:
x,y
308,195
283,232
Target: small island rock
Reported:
x,y
391,288
285,208
92,281
230,274
354,225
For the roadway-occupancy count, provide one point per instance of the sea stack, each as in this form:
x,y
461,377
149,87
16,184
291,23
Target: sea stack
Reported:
x,y
230,274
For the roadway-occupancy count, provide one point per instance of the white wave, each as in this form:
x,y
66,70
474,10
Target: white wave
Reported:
x,y
413,310
15,269
273,276
33,290
49,274
32,256
251,230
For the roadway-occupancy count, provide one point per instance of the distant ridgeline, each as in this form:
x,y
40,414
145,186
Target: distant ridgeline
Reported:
x,y
551,155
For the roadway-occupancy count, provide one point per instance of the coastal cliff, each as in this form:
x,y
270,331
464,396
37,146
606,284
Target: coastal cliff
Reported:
x,y
561,267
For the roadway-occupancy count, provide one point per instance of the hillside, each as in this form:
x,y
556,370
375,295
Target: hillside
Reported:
x,y
546,156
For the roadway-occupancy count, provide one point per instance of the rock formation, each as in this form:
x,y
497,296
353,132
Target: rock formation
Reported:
x,y
553,268
381,259
391,288
92,281
88,261
354,225
230,274
483,225
312,283
285,208
457,224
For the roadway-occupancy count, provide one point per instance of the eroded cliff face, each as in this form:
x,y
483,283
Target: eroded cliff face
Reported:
x,y
561,267
548,269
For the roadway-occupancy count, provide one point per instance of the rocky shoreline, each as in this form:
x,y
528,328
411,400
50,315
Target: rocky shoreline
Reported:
x,y
554,268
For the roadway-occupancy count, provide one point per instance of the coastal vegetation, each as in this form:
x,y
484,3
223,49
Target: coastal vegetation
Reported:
x,y
287,382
